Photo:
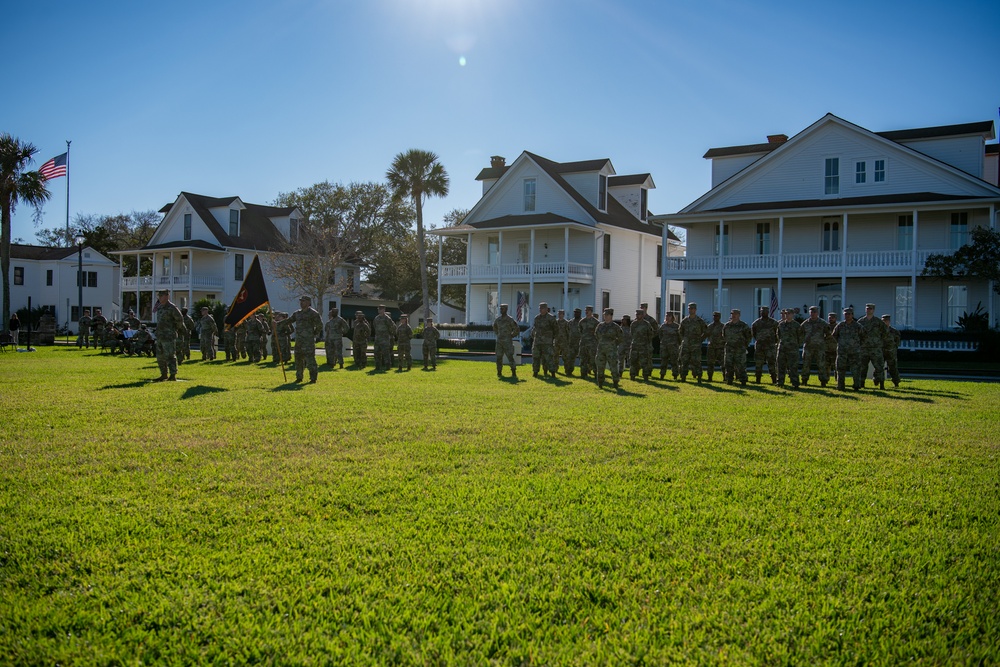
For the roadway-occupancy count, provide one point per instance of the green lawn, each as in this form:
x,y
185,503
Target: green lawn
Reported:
x,y
449,517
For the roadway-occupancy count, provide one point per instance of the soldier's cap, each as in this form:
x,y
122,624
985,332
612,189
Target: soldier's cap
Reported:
x,y
692,305
404,316
847,310
813,309
381,306
831,314
577,310
734,310
639,311
715,312
609,311
358,312
543,304
644,305
162,292
504,306
334,310
305,297
590,308
561,311
870,305
886,317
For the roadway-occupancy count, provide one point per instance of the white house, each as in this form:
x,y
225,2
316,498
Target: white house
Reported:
x,y
49,277
839,215
571,234
205,245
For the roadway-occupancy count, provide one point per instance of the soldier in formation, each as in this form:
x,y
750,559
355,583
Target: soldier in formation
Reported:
x,y
609,337
97,325
625,348
505,329
169,327
254,330
890,349
283,337
241,340
430,348
670,346
229,342
643,333
336,328
308,329
561,340
765,332
83,340
207,329
574,341
848,334
815,332
184,348
737,335
789,346
383,331
404,334
542,347
716,345
871,346
831,347
693,331
359,341
588,342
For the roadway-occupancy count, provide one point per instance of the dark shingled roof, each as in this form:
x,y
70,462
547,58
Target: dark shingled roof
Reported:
x,y
37,252
912,197
202,245
491,173
630,179
520,220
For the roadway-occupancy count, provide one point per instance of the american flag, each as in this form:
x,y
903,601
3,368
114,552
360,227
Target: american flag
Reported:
x,y
774,302
522,306
54,168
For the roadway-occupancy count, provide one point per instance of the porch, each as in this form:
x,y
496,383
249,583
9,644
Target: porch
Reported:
x,y
542,272
806,265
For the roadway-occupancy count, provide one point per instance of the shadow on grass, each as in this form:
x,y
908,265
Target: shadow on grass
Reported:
x,y
200,390
622,391
290,386
126,385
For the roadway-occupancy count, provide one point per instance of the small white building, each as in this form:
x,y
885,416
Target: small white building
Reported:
x,y
838,216
49,277
571,234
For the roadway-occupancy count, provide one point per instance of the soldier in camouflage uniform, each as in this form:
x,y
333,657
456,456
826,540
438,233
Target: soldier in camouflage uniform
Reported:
x,y
229,340
609,337
815,332
284,336
670,346
693,331
737,335
336,328
97,324
765,333
654,325
308,329
789,347
207,329
404,334
169,326
871,346
588,342
849,336
132,320
831,347
505,328
561,340
544,333
431,338
574,341
83,339
890,348
265,329
184,348
253,338
359,340
641,358
716,345
383,331
625,348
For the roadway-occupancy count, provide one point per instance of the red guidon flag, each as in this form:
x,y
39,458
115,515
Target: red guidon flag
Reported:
x,y
252,295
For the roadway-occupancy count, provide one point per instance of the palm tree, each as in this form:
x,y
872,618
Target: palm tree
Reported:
x,y
417,174
16,185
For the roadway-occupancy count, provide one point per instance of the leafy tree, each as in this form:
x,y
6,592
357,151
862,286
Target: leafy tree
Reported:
x,y
417,174
16,185
308,263
979,259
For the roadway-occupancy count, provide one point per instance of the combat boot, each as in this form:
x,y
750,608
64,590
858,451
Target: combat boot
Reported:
x,y
774,379
881,385
758,378
499,370
710,376
513,373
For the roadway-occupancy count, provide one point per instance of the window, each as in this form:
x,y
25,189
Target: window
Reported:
x,y
860,173
763,238
761,299
523,252
831,235
675,303
18,275
234,222
529,195
903,317
904,233
829,298
643,203
880,171
659,264
725,240
605,301
185,265
48,278
491,305
959,229
607,251
720,305
238,261
187,226
91,278
166,265
493,250
293,230
832,176
602,193
958,301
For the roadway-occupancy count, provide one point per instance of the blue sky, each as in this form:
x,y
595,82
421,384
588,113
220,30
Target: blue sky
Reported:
x,y
253,98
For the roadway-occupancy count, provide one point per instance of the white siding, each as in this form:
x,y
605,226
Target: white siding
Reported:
x,y
586,183
966,153
549,197
725,167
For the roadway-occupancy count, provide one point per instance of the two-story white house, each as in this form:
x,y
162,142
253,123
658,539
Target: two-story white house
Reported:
x,y
571,234
49,276
204,246
841,216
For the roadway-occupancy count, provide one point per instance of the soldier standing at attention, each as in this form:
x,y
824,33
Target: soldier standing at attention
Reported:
x,y
609,337
383,330
240,331
890,348
561,351
737,334
849,335
359,342
542,351
308,329
574,341
505,328
336,328
765,333
97,324
625,348
253,338
431,337
184,350
207,329
641,358
404,334
815,333
284,329
716,345
670,346
588,342
229,341
789,347
169,326
871,346
264,330
831,347
83,340
693,331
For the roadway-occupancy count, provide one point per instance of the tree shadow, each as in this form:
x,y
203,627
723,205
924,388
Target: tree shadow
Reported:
x,y
201,390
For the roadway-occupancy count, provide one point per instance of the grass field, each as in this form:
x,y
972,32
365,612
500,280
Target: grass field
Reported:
x,y
453,518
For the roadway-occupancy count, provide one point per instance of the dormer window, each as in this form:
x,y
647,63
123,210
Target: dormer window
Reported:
x,y
602,193
293,230
529,195
234,222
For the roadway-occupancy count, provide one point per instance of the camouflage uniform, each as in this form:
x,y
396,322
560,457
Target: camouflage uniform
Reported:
x,y
404,334
609,337
229,341
383,331
133,321
574,342
890,347
848,336
336,328
588,345
625,348
263,336
284,336
169,327
97,325
431,337
208,328
542,351
184,349
716,347
83,340
764,330
693,331
139,341
561,342
241,340
308,329
737,336
670,347
359,341
254,329
789,346
505,328
831,348
641,357
871,348
815,334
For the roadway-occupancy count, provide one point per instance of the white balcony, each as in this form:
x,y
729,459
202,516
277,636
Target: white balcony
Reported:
x,y
173,282
801,265
539,272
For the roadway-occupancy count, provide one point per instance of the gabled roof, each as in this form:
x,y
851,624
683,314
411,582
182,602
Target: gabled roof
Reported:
x,y
40,253
492,173
257,232
630,179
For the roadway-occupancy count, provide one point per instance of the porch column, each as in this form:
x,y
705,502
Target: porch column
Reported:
x,y
992,283
138,286
843,265
781,253
719,260
565,299
440,243
191,283
499,271
531,275
468,277
913,276
664,297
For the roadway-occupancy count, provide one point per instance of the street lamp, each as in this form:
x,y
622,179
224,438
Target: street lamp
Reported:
x,y
79,240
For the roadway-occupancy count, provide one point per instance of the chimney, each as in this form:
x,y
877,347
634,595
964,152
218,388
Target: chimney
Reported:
x,y
777,138
498,162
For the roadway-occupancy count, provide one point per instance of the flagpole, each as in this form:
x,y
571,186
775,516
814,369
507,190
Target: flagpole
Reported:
x,y
277,347
68,239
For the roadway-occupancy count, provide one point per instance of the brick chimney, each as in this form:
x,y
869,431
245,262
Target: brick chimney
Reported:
x,y
777,138
498,162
